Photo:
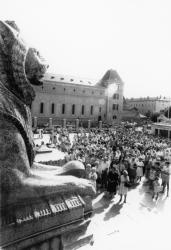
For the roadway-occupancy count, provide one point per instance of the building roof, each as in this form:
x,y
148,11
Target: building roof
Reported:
x,y
111,76
69,79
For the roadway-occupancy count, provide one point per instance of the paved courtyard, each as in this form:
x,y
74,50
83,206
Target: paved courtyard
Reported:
x,y
141,223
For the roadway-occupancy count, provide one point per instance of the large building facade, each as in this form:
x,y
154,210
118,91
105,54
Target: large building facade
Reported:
x,y
149,104
64,97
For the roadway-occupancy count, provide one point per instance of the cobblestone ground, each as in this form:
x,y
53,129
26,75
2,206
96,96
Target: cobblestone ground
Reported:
x,y
141,223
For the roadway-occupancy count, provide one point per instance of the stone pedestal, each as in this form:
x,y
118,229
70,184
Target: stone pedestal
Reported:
x,y
54,223
89,124
77,124
50,123
35,122
100,124
64,123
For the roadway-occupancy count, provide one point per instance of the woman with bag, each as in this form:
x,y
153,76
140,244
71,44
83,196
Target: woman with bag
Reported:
x,y
124,184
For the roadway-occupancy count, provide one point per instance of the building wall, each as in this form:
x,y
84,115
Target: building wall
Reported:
x,y
162,104
149,104
57,92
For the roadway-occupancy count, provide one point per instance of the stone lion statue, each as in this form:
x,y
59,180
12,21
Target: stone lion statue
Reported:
x,y
22,178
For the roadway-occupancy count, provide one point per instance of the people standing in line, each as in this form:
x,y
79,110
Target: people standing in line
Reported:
x,y
123,187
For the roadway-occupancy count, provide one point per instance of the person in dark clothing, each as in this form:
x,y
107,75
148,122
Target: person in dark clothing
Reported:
x,y
113,182
104,178
132,173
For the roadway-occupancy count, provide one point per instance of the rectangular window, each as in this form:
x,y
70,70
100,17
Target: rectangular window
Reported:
x,y
100,109
63,108
91,110
115,106
41,107
73,109
116,96
82,110
53,108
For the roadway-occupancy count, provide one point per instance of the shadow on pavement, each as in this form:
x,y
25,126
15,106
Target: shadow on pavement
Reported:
x,y
101,204
113,211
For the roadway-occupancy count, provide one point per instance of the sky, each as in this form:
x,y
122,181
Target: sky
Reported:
x,y
85,38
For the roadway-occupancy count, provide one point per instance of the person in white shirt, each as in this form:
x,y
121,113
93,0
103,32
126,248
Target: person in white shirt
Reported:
x,y
123,189
117,154
140,166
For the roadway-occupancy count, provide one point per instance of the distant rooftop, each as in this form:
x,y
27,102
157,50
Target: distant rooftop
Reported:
x,y
162,98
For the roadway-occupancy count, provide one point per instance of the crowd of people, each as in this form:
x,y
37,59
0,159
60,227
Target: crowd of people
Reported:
x,y
116,159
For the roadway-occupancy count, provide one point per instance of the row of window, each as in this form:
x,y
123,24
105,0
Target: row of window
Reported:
x,y
63,109
146,104
141,104
115,107
84,91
